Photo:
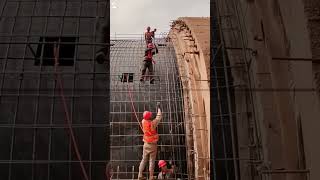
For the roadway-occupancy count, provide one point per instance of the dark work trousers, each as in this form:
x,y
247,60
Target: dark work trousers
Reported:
x,y
147,64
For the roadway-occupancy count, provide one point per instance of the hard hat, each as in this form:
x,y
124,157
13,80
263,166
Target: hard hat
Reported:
x,y
150,45
147,115
148,28
162,163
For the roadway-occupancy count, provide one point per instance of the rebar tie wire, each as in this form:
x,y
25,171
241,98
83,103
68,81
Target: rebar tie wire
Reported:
x,y
67,117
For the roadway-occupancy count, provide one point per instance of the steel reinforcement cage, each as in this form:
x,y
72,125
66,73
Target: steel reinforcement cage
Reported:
x,y
35,141
130,98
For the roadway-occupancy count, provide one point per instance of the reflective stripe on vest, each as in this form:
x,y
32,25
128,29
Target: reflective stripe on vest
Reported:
x,y
150,134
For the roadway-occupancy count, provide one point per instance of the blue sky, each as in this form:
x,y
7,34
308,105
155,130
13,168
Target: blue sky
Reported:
x,y
133,16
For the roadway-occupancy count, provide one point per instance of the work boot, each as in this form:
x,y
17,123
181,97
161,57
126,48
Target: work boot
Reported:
x,y
152,81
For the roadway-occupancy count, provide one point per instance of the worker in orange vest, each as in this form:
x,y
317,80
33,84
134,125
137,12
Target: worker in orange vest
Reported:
x,y
150,139
148,63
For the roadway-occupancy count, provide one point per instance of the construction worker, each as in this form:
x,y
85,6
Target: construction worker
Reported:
x,y
148,36
153,37
165,173
153,33
150,139
148,60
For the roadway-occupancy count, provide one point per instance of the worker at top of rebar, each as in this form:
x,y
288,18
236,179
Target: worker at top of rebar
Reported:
x,y
148,36
166,173
150,139
153,33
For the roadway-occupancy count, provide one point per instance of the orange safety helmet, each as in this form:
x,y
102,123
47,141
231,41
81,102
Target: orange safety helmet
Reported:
x,y
147,115
162,163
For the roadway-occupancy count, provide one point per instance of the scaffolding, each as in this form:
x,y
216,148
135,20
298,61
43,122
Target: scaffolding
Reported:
x,y
34,139
127,55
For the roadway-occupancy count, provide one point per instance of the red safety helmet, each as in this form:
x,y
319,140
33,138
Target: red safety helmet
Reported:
x,y
150,45
162,163
147,115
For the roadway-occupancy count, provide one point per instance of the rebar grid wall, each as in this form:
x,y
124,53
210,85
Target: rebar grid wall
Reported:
x,y
34,140
236,141
126,136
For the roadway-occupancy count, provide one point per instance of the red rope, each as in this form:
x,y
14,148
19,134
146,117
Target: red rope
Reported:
x,y
67,117
134,110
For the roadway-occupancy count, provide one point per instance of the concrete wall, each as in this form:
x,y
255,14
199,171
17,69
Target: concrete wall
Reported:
x,y
287,114
190,37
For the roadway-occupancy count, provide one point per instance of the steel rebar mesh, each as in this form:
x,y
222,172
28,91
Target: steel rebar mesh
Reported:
x,y
33,138
126,136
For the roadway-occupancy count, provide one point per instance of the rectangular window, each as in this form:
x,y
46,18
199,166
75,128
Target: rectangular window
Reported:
x,y
127,77
66,51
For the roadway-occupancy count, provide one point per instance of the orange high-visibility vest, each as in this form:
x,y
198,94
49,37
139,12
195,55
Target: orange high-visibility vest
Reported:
x,y
150,135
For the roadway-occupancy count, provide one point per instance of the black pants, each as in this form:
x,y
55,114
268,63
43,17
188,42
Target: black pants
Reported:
x,y
147,64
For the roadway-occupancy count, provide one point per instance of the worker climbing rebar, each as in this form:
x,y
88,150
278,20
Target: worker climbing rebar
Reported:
x,y
153,33
148,63
148,36
150,139
153,36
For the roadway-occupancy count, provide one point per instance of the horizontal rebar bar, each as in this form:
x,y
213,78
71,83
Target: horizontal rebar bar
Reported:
x,y
297,171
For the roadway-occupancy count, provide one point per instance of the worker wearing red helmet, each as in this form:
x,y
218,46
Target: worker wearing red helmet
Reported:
x,y
148,60
150,139
165,173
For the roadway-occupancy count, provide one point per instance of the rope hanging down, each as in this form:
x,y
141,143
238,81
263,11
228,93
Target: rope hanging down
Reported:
x,y
67,117
134,110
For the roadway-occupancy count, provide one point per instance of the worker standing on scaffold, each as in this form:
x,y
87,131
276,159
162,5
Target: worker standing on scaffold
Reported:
x,y
150,139
148,63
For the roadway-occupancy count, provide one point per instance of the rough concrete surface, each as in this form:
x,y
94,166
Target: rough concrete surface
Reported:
x,y
288,113
191,38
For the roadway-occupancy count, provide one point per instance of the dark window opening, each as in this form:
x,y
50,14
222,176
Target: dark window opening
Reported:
x,y
66,51
127,77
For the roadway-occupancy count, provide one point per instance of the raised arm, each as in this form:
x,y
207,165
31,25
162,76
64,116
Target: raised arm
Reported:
x,y
158,117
